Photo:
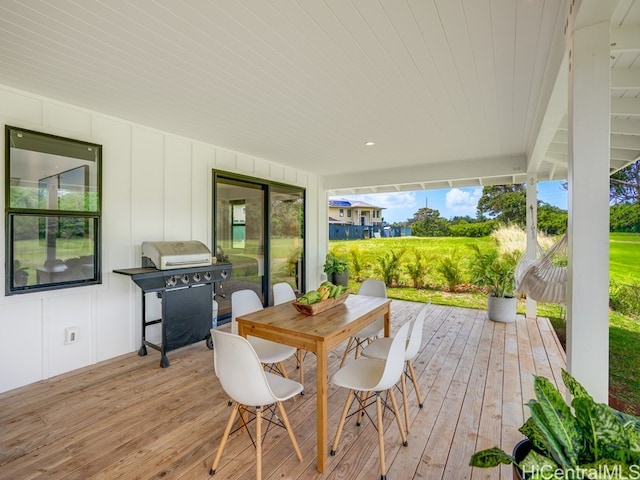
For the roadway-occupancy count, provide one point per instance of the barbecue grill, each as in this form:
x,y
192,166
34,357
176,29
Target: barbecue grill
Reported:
x,y
183,277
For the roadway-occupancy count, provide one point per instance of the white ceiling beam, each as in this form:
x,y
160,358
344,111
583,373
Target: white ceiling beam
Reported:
x,y
625,40
619,126
625,106
628,142
627,78
561,136
625,127
623,155
625,142
463,170
561,148
557,159
556,111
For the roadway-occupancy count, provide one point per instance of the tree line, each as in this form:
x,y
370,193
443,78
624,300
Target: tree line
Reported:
x,y
506,204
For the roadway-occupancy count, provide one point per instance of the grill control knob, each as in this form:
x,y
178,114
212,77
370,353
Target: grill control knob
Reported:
x,y
196,277
207,276
224,274
171,281
185,278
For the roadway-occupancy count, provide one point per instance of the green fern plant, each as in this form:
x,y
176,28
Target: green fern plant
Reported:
x,y
389,267
358,265
451,270
418,269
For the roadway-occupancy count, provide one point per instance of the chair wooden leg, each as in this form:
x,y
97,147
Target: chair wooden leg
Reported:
x,y
285,420
415,382
383,466
403,383
258,443
346,351
343,417
283,370
358,348
396,412
225,437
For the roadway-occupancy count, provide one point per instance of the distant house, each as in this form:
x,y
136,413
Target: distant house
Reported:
x,y
354,212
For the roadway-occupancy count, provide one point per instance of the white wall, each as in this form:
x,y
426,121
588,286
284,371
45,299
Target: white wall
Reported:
x,y
156,186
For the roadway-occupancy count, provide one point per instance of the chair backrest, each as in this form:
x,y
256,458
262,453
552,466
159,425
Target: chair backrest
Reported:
x,y
282,293
415,338
373,288
394,365
243,302
238,368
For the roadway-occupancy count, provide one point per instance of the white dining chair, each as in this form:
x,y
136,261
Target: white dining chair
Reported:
x,y
282,293
367,377
380,349
242,378
270,353
372,288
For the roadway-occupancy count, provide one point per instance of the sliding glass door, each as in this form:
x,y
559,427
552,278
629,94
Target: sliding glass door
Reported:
x,y
286,235
259,229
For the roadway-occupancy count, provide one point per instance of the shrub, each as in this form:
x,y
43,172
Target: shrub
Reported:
x,y
451,270
418,269
624,298
476,229
357,262
389,266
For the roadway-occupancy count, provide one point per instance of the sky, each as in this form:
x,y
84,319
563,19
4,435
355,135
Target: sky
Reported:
x,y
400,206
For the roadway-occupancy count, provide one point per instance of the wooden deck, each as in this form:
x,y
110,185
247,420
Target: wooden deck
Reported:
x,y
128,418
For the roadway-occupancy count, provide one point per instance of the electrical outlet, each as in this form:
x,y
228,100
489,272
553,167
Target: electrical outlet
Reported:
x,y
70,335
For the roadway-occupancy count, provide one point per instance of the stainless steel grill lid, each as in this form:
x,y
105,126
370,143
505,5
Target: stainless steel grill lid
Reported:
x,y
176,254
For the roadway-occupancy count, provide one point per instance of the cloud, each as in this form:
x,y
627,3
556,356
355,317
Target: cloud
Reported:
x,y
463,201
394,200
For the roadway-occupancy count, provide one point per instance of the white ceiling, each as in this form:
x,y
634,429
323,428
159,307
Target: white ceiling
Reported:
x,y
453,92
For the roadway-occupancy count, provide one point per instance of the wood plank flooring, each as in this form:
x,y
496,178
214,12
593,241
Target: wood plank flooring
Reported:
x,y
128,418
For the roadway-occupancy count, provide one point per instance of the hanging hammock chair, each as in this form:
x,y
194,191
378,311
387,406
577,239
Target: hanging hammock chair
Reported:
x,y
541,279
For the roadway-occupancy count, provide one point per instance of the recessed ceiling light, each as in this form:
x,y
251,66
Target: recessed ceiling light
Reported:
x,y
369,144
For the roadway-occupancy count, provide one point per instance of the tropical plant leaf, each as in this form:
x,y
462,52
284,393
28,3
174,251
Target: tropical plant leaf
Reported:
x,y
559,418
535,462
538,439
606,438
574,387
556,449
491,457
628,421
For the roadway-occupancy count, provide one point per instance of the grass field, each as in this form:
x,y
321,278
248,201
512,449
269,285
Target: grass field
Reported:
x,y
624,331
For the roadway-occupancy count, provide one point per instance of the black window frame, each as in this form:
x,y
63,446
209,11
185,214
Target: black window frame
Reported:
x,y
90,214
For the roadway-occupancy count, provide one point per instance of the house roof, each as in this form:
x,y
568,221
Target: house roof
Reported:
x,y
343,203
452,93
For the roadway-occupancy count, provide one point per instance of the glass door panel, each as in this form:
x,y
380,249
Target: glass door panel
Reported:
x,y
239,237
286,237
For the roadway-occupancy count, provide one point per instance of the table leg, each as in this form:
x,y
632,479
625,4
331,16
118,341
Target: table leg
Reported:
x,y
387,321
321,399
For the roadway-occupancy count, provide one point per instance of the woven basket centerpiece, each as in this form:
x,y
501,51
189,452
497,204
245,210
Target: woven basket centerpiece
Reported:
x,y
316,308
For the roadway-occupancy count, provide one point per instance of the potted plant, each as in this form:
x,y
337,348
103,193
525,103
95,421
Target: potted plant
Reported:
x,y
585,440
337,269
495,271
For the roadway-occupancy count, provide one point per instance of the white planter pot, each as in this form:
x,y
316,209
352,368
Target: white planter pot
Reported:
x,y
502,309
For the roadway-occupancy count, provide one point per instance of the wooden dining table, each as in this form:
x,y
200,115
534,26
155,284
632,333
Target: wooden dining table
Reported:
x,y
319,334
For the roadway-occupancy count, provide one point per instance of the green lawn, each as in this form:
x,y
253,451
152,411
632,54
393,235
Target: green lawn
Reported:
x,y
624,331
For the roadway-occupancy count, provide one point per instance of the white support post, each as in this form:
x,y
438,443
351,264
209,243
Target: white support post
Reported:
x,y
588,283
532,233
